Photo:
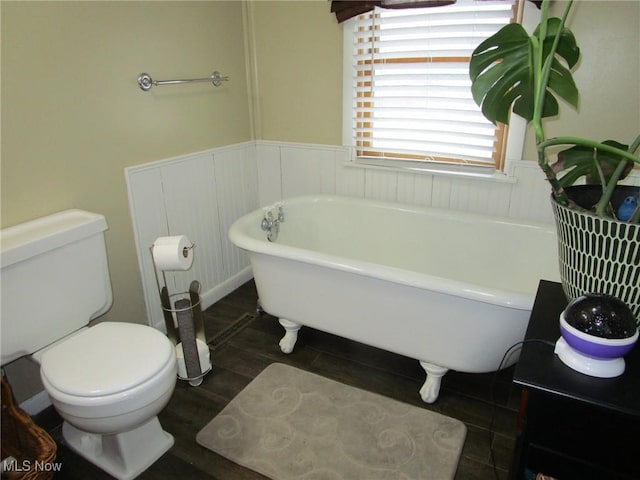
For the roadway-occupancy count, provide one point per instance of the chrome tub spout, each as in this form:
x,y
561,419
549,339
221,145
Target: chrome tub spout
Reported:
x,y
273,217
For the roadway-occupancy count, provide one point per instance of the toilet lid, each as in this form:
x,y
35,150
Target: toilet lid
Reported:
x,y
108,358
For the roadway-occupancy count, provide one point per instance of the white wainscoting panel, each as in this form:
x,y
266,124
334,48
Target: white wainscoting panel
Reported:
x,y
633,178
415,189
349,181
197,195
478,196
288,170
146,203
381,184
307,170
531,196
269,173
237,195
189,185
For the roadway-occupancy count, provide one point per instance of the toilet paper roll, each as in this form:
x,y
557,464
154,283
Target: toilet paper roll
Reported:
x,y
173,253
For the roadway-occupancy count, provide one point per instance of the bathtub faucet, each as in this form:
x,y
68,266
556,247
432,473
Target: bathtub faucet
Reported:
x,y
273,217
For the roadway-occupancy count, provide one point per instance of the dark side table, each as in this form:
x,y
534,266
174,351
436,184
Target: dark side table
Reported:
x,y
571,425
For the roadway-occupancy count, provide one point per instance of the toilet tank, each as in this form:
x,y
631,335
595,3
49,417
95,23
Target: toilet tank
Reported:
x,y
54,279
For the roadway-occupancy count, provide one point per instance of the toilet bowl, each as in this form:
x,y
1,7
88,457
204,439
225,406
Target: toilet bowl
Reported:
x,y
108,383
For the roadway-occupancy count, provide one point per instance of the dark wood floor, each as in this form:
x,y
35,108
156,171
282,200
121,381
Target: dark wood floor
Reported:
x,y
486,403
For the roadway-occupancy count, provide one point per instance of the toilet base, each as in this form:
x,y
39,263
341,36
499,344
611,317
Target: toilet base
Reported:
x,y
124,455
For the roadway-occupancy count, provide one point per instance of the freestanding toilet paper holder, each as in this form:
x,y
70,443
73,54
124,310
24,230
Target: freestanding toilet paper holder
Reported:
x,y
185,328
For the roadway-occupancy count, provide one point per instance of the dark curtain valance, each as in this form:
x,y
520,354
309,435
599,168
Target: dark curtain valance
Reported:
x,y
345,10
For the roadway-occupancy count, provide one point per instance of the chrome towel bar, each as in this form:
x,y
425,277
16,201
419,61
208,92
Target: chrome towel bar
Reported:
x,y
146,82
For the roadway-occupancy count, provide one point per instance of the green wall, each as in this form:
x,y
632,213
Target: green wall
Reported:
x,y
298,59
607,76
73,116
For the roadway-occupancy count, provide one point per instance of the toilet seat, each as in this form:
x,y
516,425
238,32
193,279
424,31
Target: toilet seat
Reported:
x,y
117,404
105,360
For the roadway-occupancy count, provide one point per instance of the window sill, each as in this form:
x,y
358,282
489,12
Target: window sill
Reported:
x,y
468,172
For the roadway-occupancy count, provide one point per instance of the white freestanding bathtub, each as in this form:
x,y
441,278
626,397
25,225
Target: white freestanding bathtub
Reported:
x,y
450,289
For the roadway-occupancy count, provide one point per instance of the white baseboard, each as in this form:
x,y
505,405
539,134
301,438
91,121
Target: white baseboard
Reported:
x,y
223,289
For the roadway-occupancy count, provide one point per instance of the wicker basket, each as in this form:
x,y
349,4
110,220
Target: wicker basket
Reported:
x,y
31,446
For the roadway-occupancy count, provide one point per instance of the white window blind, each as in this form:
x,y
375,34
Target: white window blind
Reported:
x,y
411,88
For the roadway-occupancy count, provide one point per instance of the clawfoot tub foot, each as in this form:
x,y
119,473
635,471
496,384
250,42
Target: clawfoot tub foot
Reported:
x,y
431,388
291,335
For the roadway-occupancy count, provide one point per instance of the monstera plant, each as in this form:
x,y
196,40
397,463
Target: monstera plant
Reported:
x,y
513,70
598,233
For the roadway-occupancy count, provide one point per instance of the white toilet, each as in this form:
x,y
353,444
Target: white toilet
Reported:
x,y
108,381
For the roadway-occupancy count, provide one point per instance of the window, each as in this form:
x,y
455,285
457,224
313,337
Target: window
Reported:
x,y
408,92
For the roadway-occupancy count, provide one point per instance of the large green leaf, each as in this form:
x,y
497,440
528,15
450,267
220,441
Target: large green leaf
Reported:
x,y
579,161
504,69
567,47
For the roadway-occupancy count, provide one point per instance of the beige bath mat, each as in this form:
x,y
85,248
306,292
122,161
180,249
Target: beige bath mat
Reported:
x,y
291,424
